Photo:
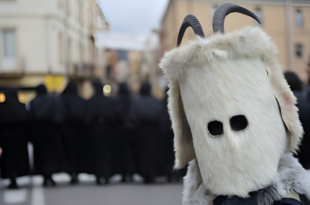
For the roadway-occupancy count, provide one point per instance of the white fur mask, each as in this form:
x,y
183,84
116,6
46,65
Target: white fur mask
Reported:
x,y
216,79
235,162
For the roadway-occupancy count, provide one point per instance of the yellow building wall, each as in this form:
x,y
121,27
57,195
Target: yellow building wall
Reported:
x,y
273,23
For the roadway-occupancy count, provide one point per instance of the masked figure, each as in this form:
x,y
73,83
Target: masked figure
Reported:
x,y
45,135
74,136
123,143
100,116
14,131
146,114
234,117
304,110
168,158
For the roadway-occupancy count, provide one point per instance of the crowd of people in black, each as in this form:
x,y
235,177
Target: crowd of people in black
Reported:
x,y
102,136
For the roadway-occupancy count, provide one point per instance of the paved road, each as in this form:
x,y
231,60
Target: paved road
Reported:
x,y
87,193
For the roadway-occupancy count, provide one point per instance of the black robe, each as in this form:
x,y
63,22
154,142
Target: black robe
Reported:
x,y
252,200
13,137
123,142
146,113
168,135
76,140
100,116
45,135
304,116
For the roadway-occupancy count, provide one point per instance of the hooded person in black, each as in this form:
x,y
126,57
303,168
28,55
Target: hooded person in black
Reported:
x,y
295,84
146,114
123,144
168,160
45,135
303,105
13,139
100,116
74,136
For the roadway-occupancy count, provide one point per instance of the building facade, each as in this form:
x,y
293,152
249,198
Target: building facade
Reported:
x,y
286,21
50,41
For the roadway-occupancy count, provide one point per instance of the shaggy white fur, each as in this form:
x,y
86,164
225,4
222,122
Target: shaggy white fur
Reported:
x,y
221,77
291,176
194,192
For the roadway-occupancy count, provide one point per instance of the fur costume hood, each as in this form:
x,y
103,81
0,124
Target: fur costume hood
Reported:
x,y
233,114
220,77
248,43
291,176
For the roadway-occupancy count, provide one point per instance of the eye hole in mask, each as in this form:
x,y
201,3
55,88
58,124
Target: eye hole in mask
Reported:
x,y
238,122
215,128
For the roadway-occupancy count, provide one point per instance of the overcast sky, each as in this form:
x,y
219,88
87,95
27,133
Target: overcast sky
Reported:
x,y
134,17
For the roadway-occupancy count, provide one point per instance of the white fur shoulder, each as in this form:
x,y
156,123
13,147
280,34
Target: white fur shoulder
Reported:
x,y
291,177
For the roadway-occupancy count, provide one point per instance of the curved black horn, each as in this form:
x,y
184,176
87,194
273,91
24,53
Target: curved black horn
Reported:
x,y
222,11
192,21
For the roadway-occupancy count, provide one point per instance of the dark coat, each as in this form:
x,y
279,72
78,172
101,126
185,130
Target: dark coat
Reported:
x,y
76,140
45,135
146,114
168,135
13,137
123,143
100,117
304,116
222,200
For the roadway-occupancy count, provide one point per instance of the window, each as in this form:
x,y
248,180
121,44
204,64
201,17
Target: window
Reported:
x,y
298,50
299,19
8,51
213,10
259,13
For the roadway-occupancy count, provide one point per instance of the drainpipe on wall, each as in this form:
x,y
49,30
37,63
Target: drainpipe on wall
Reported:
x,y
289,52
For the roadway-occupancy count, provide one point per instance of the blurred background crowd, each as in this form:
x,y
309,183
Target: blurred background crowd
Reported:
x,y
80,83
102,136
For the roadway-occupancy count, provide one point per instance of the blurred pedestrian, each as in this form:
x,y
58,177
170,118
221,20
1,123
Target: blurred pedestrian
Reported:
x,y
45,135
295,83
168,159
100,116
146,113
74,136
308,71
123,143
13,139
0,151
304,115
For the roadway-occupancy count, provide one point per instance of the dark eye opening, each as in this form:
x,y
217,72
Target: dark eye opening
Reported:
x,y
215,128
238,122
